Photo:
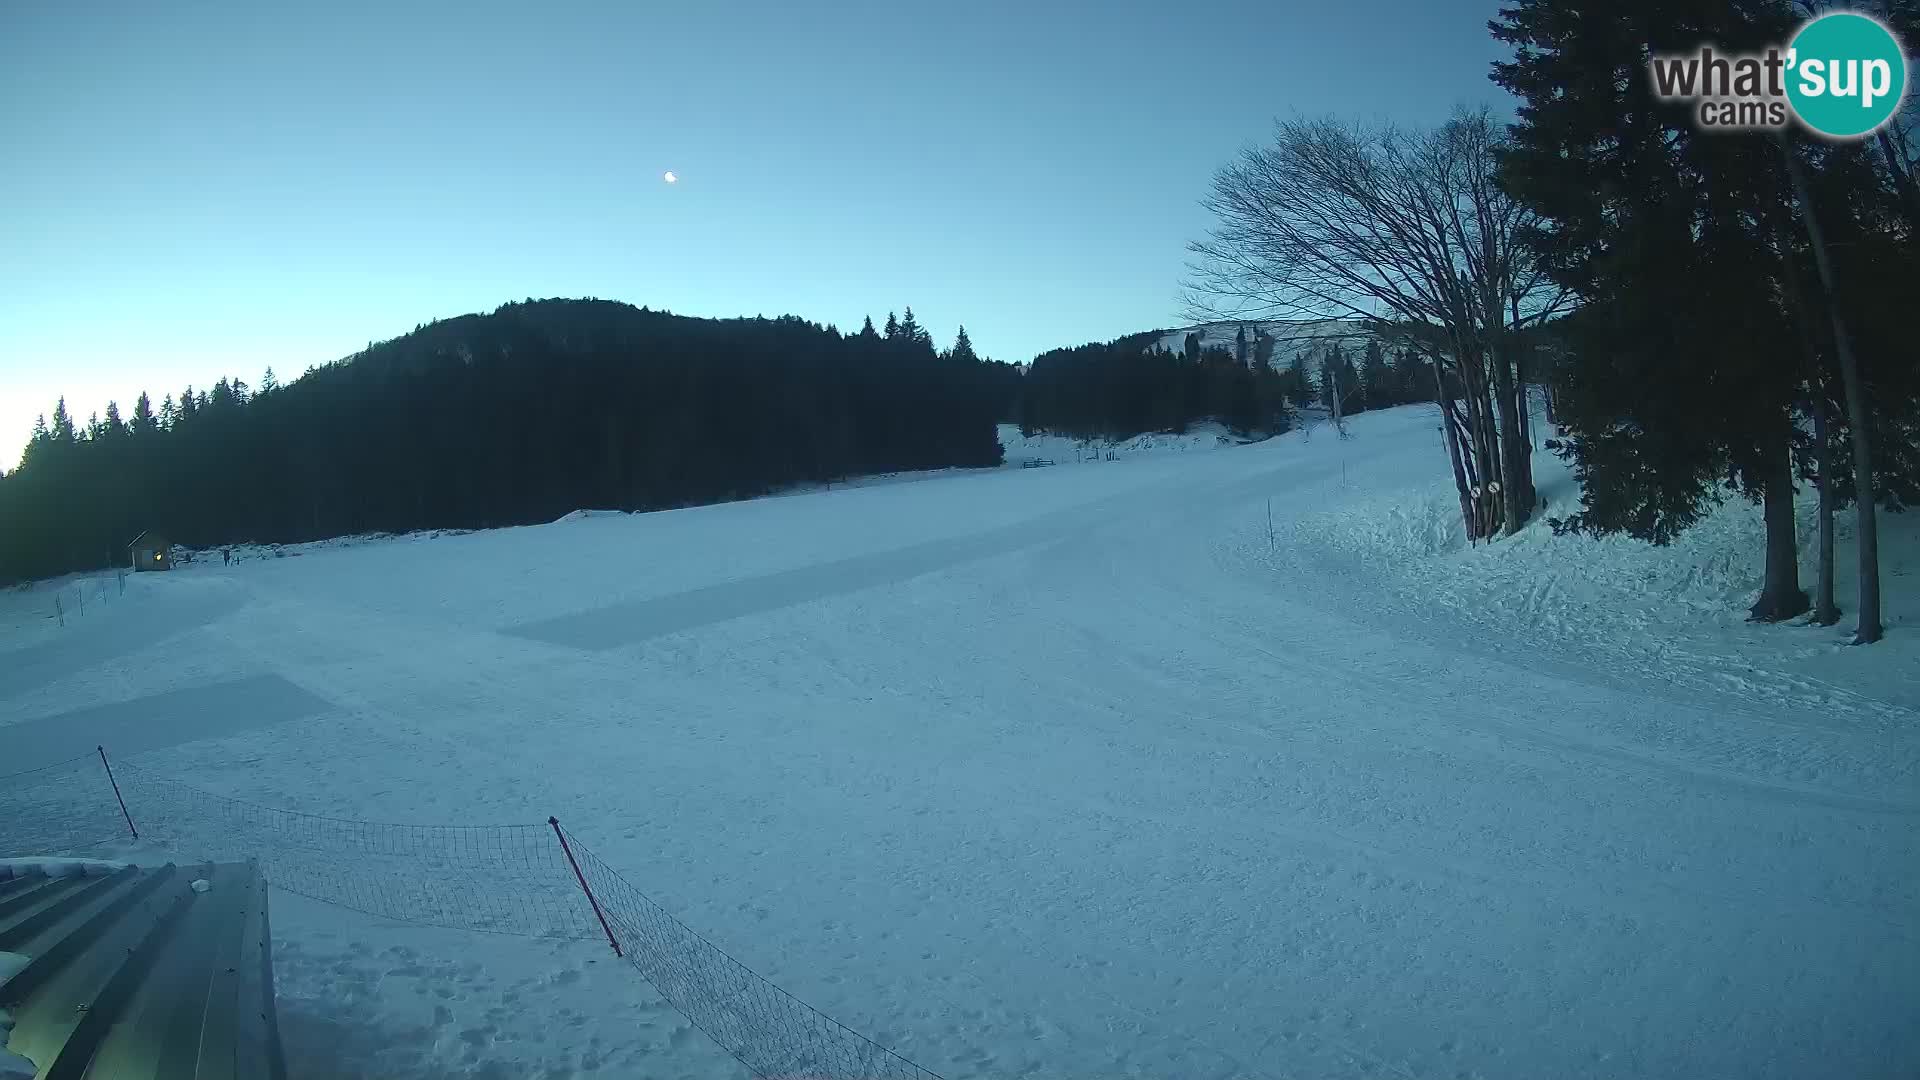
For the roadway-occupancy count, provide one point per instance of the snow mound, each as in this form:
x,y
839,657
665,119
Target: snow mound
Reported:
x,y
1023,449
1684,604
583,515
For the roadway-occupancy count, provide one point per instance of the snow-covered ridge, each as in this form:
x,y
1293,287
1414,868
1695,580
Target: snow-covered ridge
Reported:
x,y
1290,336
1062,449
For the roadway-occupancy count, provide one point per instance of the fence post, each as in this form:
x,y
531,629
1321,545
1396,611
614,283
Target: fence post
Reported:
x,y
116,792
582,879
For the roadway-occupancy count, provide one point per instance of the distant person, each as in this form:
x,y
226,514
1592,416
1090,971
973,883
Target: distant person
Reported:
x,y
226,556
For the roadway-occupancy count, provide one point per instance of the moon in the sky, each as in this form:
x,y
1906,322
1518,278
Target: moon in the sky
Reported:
x,y
670,178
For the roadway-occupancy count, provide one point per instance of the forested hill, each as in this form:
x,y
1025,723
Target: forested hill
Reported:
x,y
513,417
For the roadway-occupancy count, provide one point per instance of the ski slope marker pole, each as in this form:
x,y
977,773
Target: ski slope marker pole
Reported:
x,y
116,792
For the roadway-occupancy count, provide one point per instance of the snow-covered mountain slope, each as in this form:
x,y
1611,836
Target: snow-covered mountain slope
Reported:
x,y
1236,763
1289,335
1041,446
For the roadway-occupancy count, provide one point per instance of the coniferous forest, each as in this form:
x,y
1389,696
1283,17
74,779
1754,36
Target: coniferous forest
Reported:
x,y
1121,388
509,418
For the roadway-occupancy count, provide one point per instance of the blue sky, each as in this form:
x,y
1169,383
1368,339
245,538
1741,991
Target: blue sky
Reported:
x,y
194,190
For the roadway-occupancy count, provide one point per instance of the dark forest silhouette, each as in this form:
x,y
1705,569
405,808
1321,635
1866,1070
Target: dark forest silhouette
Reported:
x,y
509,418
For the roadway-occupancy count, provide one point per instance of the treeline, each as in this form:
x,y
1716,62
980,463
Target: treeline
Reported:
x,y
1741,324
1121,388
510,418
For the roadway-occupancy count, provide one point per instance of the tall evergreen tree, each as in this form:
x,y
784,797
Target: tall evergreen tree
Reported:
x,y
1663,400
962,350
1263,351
1299,387
1376,382
143,423
913,333
63,433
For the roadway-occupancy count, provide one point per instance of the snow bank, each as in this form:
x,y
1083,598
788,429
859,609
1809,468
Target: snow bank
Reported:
x,y
1065,450
584,515
1614,596
185,557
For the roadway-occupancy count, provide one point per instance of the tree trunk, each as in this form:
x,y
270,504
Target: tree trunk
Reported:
x,y
1825,611
1487,464
1781,596
1526,424
1516,486
1868,538
1453,449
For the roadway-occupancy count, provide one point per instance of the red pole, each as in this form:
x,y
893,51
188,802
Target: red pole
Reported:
x,y
582,879
116,792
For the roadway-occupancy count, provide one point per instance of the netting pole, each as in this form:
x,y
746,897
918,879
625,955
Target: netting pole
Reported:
x,y
116,792
582,879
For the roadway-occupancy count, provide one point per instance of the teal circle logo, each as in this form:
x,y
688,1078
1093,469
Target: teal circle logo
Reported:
x,y
1846,75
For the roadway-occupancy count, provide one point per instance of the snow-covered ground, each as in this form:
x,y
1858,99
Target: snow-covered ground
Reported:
x,y
1074,772
1062,450
1290,336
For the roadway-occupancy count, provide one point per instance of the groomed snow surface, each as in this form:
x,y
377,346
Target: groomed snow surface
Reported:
x,y
1224,764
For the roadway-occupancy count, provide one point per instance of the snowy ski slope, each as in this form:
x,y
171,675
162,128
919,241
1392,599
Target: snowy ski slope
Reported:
x,y
1085,771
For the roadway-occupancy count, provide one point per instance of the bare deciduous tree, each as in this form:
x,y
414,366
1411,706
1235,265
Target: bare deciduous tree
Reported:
x,y
1407,234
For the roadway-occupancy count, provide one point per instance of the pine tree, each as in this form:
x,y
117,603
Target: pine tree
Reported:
x,y
913,333
1376,382
268,384
143,422
63,433
1299,388
1240,347
1663,402
1334,386
866,329
893,327
962,350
